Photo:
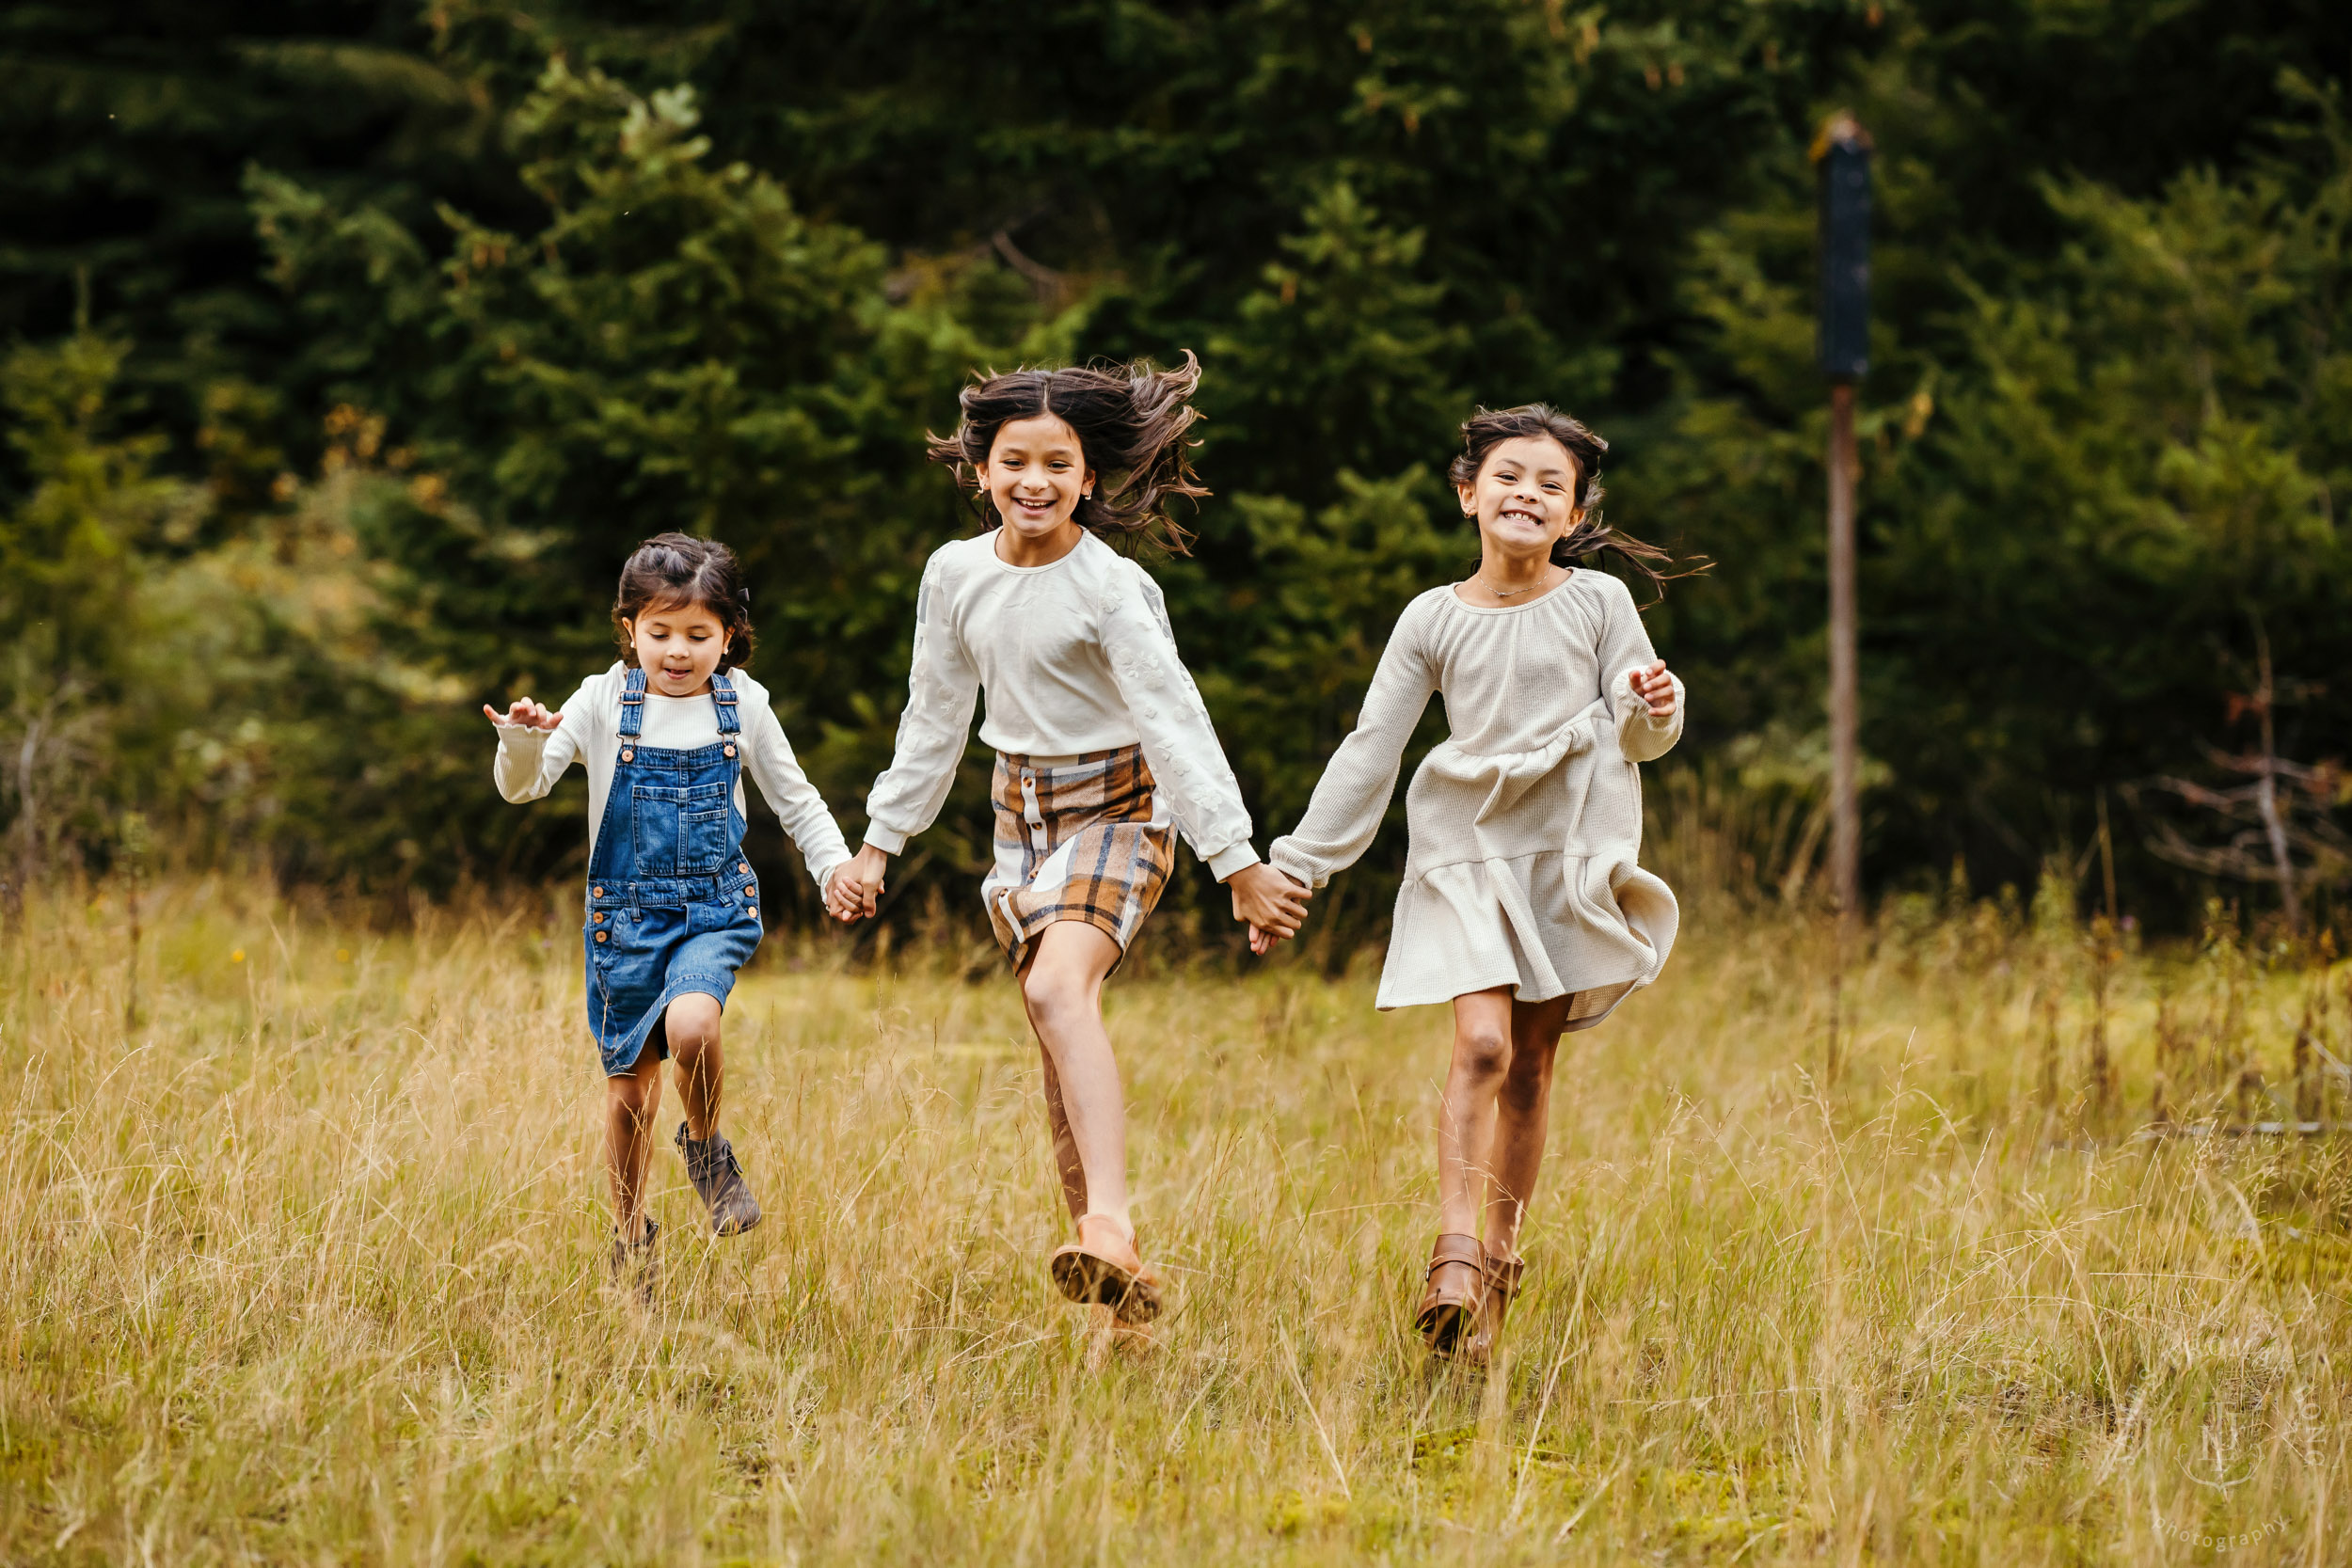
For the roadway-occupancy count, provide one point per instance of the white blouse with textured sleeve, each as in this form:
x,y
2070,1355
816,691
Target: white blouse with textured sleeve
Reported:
x,y
1074,656
1526,822
530,761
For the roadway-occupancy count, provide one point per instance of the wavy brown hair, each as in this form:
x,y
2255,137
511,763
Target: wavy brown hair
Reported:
x,y
1130,422
678,571
1491,427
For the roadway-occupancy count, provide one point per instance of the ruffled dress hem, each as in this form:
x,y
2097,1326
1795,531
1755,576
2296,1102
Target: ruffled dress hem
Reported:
x,y
1546,925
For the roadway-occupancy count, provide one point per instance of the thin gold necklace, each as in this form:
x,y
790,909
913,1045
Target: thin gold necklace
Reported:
x,y
1505,592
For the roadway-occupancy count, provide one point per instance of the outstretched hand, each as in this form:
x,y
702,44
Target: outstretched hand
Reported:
x,y
526,712
1272,904
1656,688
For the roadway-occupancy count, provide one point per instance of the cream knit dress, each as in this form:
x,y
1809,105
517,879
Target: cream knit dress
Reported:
x,y
1526,821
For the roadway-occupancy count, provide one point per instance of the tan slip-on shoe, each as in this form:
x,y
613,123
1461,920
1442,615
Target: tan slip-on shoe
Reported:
x,y
1102,1267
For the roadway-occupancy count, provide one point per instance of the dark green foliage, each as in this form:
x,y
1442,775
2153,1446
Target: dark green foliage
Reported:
x,y
2091,472
451,305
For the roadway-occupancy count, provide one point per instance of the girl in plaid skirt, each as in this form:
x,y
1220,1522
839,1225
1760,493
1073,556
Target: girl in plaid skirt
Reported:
x,y
1104,751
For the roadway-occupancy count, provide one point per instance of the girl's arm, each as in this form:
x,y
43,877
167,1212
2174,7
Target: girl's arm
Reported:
x,y
807,820
1187,761
533,751
1644,733
943,687
1353,792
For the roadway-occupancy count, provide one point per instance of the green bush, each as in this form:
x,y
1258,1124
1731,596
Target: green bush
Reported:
x,y
271,536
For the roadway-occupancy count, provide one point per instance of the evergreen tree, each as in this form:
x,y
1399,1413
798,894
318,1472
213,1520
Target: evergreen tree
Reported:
x,y
452,303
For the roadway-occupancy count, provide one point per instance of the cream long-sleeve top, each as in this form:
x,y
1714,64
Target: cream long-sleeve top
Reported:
x,y
1525,823
530,761
1074,656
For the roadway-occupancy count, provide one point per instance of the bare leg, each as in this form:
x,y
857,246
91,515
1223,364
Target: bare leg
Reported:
x,y
1466,1114
1066,1162
1522,1115
631,1101
691,1022
1062,989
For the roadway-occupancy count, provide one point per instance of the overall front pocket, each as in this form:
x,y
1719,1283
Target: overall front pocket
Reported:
x,y
680,833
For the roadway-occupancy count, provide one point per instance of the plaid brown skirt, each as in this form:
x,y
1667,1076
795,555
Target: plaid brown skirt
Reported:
x,y
1077,839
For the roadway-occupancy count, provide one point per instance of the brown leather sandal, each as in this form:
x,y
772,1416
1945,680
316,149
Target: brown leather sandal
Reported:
x,y
1449,1306
1502,1283
1089,1272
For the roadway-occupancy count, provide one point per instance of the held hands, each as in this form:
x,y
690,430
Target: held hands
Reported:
x,y
526,713
852,891
1656,688
1272,904
845,898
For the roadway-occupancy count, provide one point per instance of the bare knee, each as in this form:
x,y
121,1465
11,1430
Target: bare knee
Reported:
x,y
1054,994
1528,1083
631,1094
1481,1053
691,1023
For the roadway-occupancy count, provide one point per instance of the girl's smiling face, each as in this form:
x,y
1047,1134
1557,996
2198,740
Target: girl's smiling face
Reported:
x,y
677,646
1036,473
1524,496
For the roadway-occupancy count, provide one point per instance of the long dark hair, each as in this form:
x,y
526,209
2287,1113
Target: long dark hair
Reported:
x,y
1491,427
1130,421
678,571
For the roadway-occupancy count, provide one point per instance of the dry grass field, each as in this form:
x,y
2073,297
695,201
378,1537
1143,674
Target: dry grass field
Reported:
x,y
306,1263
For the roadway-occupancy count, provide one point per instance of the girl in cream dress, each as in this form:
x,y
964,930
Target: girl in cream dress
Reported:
x,y
1523,902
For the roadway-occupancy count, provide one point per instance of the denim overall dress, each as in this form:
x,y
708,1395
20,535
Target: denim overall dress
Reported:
x,y
672,906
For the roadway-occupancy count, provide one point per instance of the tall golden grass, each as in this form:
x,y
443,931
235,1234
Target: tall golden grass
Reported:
x,y
1833,1260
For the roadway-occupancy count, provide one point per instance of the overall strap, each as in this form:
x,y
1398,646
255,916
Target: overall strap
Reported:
x,y
614,861
722,694
632,704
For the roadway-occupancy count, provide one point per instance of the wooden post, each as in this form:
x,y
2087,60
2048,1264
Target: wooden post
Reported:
x,y
1842,154
133,861
2267,789
2107,861
1845,746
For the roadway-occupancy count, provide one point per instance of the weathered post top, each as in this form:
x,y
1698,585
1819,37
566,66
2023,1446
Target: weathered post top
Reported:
x,y
1842,153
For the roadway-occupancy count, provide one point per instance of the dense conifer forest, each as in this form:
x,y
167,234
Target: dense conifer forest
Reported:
x,y
347,347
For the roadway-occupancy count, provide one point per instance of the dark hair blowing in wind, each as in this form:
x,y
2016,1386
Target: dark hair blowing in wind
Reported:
x,y
1491,427
1130,420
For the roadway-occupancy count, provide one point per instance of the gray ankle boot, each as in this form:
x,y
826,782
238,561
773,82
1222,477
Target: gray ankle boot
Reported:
x,y
718,1177
637,1265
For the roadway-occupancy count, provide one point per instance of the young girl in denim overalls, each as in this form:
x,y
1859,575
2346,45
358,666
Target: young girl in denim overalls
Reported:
x,y
673,907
